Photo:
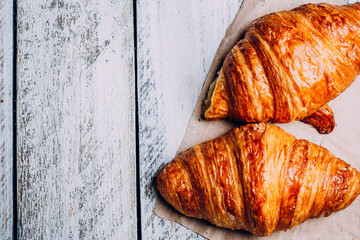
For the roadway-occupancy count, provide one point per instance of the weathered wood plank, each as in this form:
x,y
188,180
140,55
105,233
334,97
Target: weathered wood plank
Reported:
x,y
176,45
6,119
76,128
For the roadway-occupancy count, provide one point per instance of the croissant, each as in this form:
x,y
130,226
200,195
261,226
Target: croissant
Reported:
x,y
258,178
288,66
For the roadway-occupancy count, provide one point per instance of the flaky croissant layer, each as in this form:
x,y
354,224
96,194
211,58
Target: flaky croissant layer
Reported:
x,y
288,65
258,178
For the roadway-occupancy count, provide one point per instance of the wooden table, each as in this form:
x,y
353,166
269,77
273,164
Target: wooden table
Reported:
x,y
95,99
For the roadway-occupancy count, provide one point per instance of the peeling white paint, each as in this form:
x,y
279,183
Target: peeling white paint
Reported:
x,y
6,120
76,126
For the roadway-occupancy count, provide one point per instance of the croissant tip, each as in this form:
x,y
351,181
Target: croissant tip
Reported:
x,y
323,120
215,105
162,179
174,185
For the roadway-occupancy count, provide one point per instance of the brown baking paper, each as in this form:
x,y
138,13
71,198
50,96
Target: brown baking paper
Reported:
x,y
343,142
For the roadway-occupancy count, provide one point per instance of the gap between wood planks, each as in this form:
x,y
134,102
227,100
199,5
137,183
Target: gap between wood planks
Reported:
x,y
14,118
137,150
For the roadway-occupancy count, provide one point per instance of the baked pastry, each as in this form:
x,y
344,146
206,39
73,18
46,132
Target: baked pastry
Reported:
x,y
258,178
288,65
323,120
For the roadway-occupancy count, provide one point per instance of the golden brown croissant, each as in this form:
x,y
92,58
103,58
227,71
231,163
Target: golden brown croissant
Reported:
x,y
288,66
258,178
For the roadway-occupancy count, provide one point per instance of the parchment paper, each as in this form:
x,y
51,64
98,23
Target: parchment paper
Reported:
x,y
343,142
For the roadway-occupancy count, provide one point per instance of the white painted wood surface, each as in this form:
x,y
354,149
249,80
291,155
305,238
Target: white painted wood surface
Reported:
x,y
76,121
76,157
177,41
6,120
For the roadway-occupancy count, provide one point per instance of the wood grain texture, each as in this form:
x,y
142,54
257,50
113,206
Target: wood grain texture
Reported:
x,y
76,129
176,45
6,121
